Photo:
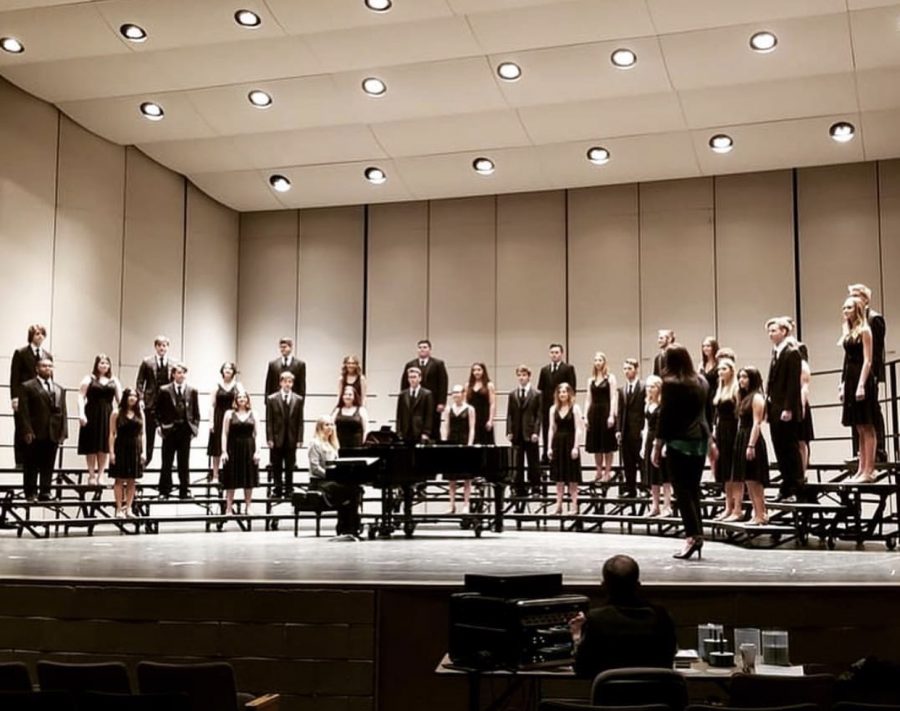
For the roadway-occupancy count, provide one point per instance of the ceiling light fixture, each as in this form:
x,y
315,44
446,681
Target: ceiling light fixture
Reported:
x,y
132,32
598,155
379,5
11,45
152,111
374,175
247,18
259,99
842,131
763,42
720,143
509,71
483,166
279,183
623,58
373,86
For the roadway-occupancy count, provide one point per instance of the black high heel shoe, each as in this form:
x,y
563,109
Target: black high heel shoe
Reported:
x,y
696,546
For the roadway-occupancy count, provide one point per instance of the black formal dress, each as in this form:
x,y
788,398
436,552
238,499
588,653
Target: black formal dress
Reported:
x,y
480,400
458,426
653,476
600,436
562,467
129,431
744,469
93,438
23,367
223,403
726,431
550,378
349,428
857,412
712,381
240,471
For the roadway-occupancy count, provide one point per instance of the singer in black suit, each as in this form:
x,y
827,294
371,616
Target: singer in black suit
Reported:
x,y
42,407
632,401
287,363
879,331
415,410
523,429
784,405
284,433
434,378
664,338
555,372
178,412
153,374
22,369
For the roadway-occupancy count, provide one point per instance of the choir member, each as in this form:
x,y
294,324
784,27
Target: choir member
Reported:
x,y
685,433
126,447
631,424
350,419
42,406
552,375
523,428
284,433
709,347
726,352
287,363
22,369
345,498
352,375
785,406
858,384
566,432
415,410
725,427
751,460
664,338
240,452
434,379
221,400
879,330
98,394
601,406
482,396
458,427
178,411
807,431
656,477
154,373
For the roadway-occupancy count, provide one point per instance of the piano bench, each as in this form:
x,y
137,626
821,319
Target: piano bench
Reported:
x,y
308,501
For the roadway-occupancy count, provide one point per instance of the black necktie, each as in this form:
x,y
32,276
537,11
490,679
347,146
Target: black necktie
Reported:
x,y
285,362
521,393
49,388
37,353
179,393
555,367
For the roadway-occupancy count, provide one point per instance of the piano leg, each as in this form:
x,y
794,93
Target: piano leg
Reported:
x,y
499,493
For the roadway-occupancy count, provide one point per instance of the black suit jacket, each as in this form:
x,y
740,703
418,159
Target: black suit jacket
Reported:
x,y
284,424
434,378
549,381
879,330
783,385
415,417
658,364
43,416
148,380
631,411
167,411
23,368
273,376
523,418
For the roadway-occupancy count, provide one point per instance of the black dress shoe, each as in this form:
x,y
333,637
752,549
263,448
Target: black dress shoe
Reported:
x,y
43,497
185,495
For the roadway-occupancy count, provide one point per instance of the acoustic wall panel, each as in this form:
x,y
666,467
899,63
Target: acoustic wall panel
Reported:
x,y
889,301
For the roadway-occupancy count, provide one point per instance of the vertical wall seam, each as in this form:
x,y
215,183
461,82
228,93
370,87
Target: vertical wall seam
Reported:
x,y
798,318
184,252
365,282
640,285
237,291
567,270
427,272
55,220
715,256
496,281
297,294
879,232
122,267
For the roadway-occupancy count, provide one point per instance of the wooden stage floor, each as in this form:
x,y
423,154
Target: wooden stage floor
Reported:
x,y
436,556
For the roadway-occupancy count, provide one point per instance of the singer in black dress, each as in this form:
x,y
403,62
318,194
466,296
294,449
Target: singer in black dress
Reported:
x,y
126,444
240,453
99,393
482,396
751,458
601,407
725,426
350,419
221,401
859,392
458,427
566,431
352,375
656,477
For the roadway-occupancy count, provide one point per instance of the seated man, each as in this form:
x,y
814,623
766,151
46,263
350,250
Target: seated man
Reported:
x,y
627,631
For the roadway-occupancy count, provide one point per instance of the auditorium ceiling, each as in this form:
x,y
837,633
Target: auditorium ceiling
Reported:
x,y
445,105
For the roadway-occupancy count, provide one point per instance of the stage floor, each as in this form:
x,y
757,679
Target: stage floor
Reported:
x,y
435,556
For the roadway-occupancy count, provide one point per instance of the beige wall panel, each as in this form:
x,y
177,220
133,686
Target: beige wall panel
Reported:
x,y
267,290
754,260
462,286
331,299
211,286
397,298
531,280
838,227
604,284
677,264
87,270
28,134
889,301
153,287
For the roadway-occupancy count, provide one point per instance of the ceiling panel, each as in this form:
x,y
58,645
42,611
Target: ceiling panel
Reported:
x,y
876,37
468,7
682,15
878,88
880,135
333,144
197,155
241,190
308,16
451,134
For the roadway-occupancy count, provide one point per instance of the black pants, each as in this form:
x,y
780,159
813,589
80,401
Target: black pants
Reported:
x,y
631,461
40,458
545,429
19,445
150,425
283,461
786,443
345,499
177,441
530,452
686,470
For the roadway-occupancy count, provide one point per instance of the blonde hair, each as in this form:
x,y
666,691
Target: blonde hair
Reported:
x,y
649,383
330,440
852,328
730,391
241,393
560,388
602,370
785,323
860,289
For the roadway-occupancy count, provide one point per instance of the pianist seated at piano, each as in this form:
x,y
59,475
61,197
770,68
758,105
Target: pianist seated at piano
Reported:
x,y
458,427
344,498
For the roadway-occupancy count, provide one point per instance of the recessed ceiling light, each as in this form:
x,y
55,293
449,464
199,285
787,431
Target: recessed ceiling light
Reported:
x,y
483,166
260,99
842,131
279,183
720,143
152,111
509,71
623,58
375,175
379,5
763,42
373,86
132,32
11,45
598,155
247,18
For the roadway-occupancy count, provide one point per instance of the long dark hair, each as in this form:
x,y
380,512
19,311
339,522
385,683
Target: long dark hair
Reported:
x,y
711,363
677,363
754,385
95,372
485,378
123,405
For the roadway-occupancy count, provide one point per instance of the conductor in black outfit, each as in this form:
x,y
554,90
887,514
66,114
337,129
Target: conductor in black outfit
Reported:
x,y
555,372
287,363
433,378
154,373
178,412
523,429
632,400
42,409
879,331
627,630
22,369
284,433
784,407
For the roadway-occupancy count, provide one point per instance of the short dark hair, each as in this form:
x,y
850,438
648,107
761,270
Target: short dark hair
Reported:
x,y
425,341
286,341
556,345
36,328
634,362
228,364
621,577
